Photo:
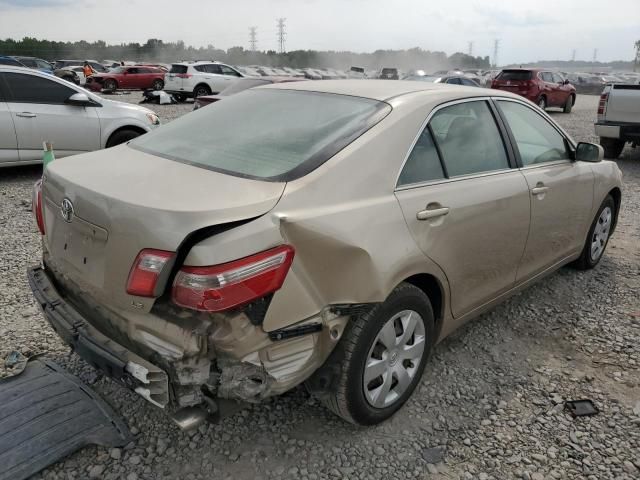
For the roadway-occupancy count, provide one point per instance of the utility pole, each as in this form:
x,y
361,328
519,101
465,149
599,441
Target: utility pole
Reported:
x,y
281,33
253,41
470,51
496,48
573,55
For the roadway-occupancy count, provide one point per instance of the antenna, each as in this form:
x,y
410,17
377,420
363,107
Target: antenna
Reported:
x,y
253,42
496,49
281,33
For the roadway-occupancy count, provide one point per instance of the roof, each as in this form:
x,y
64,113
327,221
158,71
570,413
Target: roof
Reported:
x,y
385,89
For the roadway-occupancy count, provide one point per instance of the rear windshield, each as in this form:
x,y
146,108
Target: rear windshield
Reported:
x,y
266,134
178,69
515,75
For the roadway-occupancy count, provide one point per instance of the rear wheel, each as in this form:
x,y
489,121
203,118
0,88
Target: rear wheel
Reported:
x,y
568,105
542,102
157,84
598,236
122,136
201,90
381,357
612,147
110,85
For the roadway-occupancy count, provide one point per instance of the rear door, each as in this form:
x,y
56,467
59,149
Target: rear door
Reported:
x,y
560,189
39,114
8,140
214,78
466,207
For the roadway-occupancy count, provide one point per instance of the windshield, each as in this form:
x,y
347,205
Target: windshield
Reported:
x,y
117,70
516,75
266,134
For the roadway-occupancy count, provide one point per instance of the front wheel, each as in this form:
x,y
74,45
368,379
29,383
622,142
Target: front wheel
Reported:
x,y
568,105
381,357
122,136
598,236
201,91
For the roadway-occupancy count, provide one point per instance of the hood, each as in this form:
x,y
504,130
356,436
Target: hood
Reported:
x,y
124,201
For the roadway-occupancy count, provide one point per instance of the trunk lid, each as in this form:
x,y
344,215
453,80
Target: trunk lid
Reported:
x,y
124,200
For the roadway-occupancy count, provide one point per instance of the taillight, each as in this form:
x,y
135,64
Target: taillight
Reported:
x,y
36,206
229,285
145,272
602,105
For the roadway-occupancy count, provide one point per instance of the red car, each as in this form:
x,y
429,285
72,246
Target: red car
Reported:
x,y
547,89
137,77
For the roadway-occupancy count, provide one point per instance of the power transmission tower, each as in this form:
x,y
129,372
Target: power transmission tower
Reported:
x,y
496,48
573,55
281,33
637,62
470,52
595,55
253,41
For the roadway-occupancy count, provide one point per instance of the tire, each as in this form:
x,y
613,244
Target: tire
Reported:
x,y
157,84
201,90
180,97
352,397
542,102
122,136
110,85
568,105
599,234
612,147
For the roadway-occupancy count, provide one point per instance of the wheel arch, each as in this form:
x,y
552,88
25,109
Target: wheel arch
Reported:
x,y
202,84
432,287
616,194
135,128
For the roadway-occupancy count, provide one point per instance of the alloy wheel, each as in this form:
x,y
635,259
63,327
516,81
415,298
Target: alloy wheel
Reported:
x,y
601,233
394,358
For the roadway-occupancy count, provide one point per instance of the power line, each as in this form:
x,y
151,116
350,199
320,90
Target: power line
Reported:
x,y
281,33
470,51
253,42
496,49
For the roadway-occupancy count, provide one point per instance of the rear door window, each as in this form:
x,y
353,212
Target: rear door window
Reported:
x,y
423,163
536,139
469,139
211,68
24,88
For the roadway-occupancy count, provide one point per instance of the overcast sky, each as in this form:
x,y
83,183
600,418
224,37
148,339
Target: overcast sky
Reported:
x,y
528,31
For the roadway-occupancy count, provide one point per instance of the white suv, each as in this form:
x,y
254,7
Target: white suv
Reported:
x,y
195,79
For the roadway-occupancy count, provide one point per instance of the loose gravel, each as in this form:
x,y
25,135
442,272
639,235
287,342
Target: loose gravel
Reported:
x,y
490,405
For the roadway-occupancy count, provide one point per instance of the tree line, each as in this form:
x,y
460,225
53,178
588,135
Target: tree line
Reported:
x,y
156,50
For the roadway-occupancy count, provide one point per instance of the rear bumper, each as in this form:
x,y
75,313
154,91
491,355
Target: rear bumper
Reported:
x,y
99,351
626,132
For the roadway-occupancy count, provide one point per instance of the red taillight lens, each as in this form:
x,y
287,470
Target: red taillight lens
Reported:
x,y
225,286
602,105
143,277
36,206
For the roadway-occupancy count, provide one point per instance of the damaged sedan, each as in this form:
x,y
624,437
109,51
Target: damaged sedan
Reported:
x,y
328,234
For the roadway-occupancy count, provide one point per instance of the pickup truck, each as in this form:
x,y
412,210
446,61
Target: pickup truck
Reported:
x,y
618,118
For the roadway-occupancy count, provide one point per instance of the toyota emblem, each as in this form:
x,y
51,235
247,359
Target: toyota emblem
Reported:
x,y
66,209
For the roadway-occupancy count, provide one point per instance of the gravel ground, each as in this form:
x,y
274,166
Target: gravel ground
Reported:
x,y
489,405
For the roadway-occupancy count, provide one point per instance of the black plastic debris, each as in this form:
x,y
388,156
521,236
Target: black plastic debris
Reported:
x,y
15,362
47,414
581,408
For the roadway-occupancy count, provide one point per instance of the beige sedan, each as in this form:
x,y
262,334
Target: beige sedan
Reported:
x,y
321,232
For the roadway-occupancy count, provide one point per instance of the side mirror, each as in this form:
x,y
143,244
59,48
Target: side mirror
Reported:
x,y
589,152
80,100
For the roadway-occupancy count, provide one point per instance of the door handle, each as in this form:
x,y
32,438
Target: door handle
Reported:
x,y
25,114
539,190
430,213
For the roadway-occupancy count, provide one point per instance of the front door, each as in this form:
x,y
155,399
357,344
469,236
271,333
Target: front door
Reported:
x,y
466,208
39,113
561,190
